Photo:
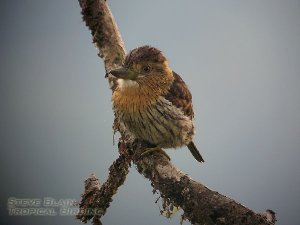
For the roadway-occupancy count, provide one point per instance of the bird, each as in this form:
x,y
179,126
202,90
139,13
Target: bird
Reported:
x,y
153,102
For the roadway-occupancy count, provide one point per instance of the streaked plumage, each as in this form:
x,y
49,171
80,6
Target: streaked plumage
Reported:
x,y
153,102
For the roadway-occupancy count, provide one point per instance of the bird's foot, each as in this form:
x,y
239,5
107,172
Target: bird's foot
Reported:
x,y
155,149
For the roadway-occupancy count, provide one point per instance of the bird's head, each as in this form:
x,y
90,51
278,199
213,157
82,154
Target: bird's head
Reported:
x,y
142,66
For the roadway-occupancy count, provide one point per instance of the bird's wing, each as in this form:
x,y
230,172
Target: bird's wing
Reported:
x,y
180,96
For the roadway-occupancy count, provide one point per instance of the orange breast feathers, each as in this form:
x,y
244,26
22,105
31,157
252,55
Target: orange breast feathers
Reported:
x,y
133,96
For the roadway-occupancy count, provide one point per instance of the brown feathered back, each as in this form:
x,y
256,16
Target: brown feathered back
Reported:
x,y
180,96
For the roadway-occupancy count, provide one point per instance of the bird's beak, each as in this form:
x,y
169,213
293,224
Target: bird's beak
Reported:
x,y
123,73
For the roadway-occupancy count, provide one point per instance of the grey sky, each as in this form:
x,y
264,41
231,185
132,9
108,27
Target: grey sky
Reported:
x,y
239,58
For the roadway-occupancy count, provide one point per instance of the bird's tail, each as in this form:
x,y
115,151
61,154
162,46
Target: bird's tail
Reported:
x,y
193,149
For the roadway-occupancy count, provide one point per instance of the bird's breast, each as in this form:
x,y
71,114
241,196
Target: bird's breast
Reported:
x,y
133,100
155,120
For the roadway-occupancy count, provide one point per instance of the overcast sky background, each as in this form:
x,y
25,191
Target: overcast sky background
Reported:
x,y
241,60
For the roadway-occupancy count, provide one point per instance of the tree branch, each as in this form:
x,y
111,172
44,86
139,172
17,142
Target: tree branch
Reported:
x,y
200,205
96,198
106,36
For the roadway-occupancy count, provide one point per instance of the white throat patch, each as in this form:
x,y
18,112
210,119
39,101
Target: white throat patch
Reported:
x,y
123,84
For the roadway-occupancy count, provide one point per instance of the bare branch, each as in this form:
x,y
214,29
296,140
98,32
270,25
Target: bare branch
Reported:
x,y
200,204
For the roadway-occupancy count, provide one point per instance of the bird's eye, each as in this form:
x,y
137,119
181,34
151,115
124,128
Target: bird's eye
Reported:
x,y
146,69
